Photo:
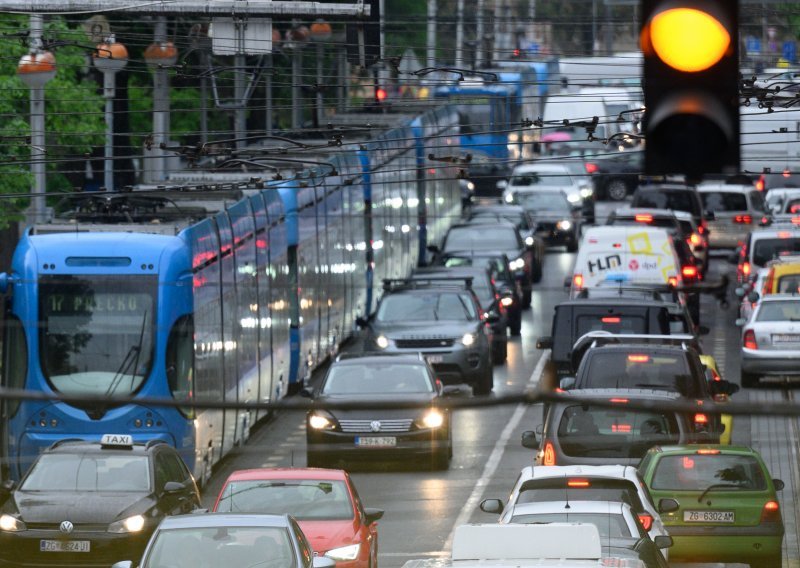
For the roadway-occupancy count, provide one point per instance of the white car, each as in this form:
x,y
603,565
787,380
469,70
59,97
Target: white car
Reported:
x,y
583,483
748,302
771,339
532,177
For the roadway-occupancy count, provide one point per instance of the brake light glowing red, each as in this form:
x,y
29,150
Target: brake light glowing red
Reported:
x,y
591,167
760,184
784,234
743,219
578,483
621,428
577,281
549,454
707,452
746,268
787,173
771,513
617,245
689,271
611,319
638,358
749,340
646,520
619,400
795,208
643,218
795,220
694,239
688,463
672,281
700,418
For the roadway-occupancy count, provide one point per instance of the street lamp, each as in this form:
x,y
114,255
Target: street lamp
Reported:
x,y
35,69
109,58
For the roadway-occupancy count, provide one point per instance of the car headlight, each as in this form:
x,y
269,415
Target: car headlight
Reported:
x,y
349,552
509,198
470,186
320,421
587,192
132,524
529,241
574,197
468,339
564,225
432,419
507,301
517,264
9,523
382,341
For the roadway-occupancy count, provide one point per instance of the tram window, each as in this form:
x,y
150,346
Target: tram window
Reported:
x,y
180,358
15,360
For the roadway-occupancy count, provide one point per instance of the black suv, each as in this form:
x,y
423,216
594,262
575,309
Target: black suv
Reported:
x,y
94,503
615,175
676,197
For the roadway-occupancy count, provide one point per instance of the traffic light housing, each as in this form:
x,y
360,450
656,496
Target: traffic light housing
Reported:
x,y
691,86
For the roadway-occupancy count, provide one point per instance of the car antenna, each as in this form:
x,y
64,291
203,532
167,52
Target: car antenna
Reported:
x,y
566,493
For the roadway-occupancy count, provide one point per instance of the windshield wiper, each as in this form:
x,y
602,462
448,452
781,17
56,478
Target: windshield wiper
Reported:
x,y
131,358
716,486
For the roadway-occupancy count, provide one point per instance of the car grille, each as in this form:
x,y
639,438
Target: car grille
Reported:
x,y
545,227
393,425
78,528
425,342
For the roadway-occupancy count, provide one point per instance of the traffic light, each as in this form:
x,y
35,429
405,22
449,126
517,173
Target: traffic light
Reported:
x,y
380,94
691,86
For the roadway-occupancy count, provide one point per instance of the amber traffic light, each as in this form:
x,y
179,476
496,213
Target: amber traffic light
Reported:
x,y
691,84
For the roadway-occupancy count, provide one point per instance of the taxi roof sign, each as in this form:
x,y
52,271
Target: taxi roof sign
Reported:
x,y
117,440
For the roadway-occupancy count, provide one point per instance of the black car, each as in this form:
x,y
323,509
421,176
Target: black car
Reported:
x,y
615,175
479,280
422,432
676,197
494,236
484,172
501,272
93,503
556,221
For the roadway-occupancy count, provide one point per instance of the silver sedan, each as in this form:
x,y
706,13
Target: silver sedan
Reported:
x,y
771,339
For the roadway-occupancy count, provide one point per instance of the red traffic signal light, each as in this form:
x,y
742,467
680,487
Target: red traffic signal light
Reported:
x,y
380,94
691,86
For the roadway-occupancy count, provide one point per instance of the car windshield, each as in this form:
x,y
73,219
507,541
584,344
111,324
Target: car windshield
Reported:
x,y
618,432
650,370
724,201
698,472
542,201
678,200
378,378
608,524
89,472
779,311
789,284
496,265
580,489
214,547
768,249
426,306
517,218
479,237
304,499
542,179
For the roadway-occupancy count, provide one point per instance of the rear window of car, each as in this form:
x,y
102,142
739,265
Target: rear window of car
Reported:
x,y
608,524
662,222
779,311
600,432
678,200
611,323
479,238
699,472
626,369
768,249
431,306
723,201
580,489
789,284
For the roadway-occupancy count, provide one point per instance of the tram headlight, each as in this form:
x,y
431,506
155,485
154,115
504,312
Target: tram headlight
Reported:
x,y
132,524
9,523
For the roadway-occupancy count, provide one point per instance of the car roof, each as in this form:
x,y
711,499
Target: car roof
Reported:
x,y
666,187
725,187
603,301
633,346
547,167
696,448
311,473
607,507
495,208
779,298
530,473
638,394
211,520
367,358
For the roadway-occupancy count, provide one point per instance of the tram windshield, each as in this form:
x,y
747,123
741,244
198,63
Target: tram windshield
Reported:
x,y
96,332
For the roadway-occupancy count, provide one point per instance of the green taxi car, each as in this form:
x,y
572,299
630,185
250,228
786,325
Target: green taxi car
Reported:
x,y
718,503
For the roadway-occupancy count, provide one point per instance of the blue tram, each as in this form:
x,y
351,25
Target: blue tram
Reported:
x,y
236,303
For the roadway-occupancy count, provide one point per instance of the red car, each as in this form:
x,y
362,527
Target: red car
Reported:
x,y
324,502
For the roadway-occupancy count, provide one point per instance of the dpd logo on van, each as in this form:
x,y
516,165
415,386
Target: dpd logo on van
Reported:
x,y
633,265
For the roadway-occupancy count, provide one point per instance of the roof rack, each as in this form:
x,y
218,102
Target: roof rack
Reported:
x,y
597,338
361,355
422,281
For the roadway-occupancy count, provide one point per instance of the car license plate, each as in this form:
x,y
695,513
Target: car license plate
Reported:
x,y
434,358
786,338
709,516
64,545
376,441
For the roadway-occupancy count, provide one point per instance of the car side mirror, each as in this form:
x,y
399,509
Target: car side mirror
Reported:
x,y
779,484
544,343
740,322
663,541
307,392
8,486
529,440
703,330
123,564
173,487
372,515
323,562
723,387
492,506
739,291
753,296
433,248
710,215
566,383
501,184
668,505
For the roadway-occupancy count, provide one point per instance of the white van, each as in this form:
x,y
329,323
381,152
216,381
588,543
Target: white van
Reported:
x,y
633,255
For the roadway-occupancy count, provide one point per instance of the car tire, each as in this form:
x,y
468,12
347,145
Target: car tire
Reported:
x,y
515,326
616,190
536,270
749,380
499,352
485,384
527,296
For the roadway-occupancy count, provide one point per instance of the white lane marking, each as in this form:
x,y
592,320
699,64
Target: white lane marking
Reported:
x,y
496,455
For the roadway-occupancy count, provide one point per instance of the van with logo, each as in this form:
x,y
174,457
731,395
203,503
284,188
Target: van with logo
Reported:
x,y
633,255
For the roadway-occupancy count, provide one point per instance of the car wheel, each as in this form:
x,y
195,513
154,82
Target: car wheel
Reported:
x,y
527,296
536,270
749,380
485,384
499,352
515,325
616,190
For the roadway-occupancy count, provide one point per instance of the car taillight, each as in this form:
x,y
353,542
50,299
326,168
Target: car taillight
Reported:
x,y
694,239
760,185
743,219
549,454
577,281
672,281
787,173
689,271
746,268
707,452
636,358
700,419
578,483
749,340
591,167
701,228
643,218
646,520
771,513
611,319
